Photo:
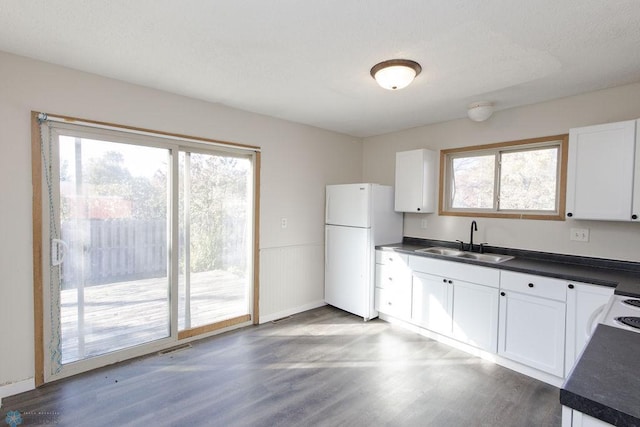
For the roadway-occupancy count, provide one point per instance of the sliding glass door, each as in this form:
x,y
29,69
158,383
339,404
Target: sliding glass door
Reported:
x,y
146,241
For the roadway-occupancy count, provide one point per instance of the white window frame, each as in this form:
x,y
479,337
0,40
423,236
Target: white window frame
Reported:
x,y
446,170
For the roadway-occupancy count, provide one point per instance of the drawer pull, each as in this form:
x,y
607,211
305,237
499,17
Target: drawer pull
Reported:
x,y
531,285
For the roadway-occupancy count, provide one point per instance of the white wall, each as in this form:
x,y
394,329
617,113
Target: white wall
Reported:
x,y
607,239
297,162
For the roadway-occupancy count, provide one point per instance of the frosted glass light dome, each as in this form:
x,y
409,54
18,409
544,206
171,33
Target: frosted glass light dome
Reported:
x,y
395,73
480,111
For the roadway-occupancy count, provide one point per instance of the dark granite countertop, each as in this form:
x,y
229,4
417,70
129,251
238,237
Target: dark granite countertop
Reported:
x,y
604,383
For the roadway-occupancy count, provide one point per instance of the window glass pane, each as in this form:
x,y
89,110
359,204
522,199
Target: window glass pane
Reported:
x,y
472,182
215,238
528,179
113,220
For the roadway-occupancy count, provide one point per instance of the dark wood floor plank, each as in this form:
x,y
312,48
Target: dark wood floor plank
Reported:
x,y
320,368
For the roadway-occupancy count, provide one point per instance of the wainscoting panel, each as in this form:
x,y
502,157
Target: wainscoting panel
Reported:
x,y
291,280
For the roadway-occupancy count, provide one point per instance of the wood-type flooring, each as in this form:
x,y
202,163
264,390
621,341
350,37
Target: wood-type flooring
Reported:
x,y
323,367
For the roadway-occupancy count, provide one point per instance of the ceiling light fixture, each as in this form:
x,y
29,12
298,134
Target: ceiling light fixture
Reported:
x,y
395,73
480,111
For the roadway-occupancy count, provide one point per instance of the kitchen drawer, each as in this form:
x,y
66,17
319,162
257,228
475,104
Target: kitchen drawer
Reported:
x,y
394,302
456,270
392,276
529,284
391,258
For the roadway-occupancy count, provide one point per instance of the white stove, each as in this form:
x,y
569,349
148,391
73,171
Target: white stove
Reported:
x,y
623,312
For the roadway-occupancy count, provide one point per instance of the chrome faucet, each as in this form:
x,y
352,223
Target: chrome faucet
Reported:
x,y
474,227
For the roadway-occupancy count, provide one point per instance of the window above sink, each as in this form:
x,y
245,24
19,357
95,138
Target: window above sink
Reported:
x,y
520,179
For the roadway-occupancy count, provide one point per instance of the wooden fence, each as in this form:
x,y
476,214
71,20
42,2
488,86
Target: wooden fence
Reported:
x,y
106,251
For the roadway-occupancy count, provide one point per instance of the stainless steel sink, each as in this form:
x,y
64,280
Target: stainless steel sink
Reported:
x,y
495,258
454,253
441,251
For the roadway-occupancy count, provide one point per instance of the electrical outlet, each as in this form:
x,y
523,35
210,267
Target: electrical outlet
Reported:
x,y
423,223
283,222
580,234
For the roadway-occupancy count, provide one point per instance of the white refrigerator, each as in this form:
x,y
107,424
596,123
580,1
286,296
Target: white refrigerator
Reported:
x,y
357,218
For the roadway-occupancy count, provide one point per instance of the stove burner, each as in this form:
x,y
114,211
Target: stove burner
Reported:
x,y
631,321
632,302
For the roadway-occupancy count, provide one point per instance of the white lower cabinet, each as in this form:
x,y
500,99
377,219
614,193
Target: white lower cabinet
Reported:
x,y
573,418
539,322
394,302
532,321
432,303
475,315
585,308
456,300
393,285
465,311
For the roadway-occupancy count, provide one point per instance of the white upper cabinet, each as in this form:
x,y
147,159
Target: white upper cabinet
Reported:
x,y
602,166
415,181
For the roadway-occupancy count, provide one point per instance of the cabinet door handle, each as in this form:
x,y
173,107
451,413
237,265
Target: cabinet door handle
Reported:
x,y
531,285
569,214
444,280
503,294
571,286
450,281
634,216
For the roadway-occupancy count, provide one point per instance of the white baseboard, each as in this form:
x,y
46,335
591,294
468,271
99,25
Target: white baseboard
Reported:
x,y
15,388
291,311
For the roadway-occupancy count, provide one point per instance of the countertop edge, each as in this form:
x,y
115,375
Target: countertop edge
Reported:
x,y
596,409
600,381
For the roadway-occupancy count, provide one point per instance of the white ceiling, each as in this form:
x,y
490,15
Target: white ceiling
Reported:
x,y
309,61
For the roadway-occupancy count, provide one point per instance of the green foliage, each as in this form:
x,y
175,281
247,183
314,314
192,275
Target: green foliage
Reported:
x,y
218,210
108,176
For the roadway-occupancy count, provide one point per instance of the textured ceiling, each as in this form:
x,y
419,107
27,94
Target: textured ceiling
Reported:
x,y
309,61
